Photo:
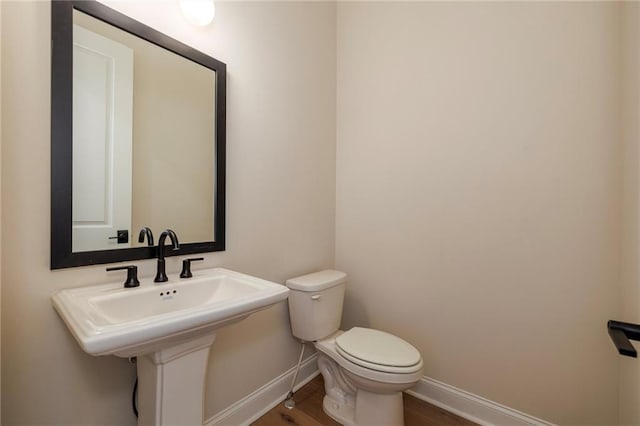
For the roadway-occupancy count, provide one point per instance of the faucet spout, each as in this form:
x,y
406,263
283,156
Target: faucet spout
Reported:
x,y
146,232
161,275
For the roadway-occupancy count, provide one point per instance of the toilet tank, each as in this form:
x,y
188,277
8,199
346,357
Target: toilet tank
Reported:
x,y
315,304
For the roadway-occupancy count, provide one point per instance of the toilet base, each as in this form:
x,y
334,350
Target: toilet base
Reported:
x,y
343,413
372,409
379,409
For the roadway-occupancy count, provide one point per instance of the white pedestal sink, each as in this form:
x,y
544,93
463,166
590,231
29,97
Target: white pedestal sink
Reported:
x,y
169,327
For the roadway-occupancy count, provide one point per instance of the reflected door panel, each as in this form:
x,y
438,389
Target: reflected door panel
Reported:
x,y
102,140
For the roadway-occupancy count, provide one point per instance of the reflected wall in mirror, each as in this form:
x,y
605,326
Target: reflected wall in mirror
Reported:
x,y
138,138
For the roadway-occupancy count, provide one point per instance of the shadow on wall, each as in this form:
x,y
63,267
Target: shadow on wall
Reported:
x,y
354,313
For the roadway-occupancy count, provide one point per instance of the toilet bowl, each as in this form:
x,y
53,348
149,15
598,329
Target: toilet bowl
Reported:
x,y
365,371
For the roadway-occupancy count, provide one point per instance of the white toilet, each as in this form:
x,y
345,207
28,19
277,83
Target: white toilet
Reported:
x,y
365,371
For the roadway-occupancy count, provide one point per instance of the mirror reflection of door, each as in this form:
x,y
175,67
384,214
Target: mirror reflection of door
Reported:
x,y
164,111
102,140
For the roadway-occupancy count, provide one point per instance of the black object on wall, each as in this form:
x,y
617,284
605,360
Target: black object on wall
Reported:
x,y
621,333
62,254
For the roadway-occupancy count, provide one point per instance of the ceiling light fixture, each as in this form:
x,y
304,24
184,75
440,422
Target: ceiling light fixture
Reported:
x,y
198,12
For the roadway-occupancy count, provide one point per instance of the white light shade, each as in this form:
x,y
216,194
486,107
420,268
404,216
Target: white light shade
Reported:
x,y
198,12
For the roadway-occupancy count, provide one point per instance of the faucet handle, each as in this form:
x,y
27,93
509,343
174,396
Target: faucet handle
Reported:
x,y
186,267
132,275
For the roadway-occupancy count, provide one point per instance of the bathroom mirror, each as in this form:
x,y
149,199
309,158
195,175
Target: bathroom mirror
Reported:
x,y
137,139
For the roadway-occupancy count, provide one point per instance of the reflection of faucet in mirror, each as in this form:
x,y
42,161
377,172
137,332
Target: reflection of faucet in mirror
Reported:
x,y
146,232
161,275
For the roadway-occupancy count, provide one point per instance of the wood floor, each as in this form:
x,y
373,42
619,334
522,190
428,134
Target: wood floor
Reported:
x,y
308,411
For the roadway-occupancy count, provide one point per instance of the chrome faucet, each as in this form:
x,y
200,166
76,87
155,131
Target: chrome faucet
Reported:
x,y
161,275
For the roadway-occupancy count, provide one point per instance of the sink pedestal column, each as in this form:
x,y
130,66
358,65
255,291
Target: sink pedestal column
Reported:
x,y
171,384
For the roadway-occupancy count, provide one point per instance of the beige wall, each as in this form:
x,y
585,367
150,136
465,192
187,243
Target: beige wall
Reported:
x,y
478,193
173,168
629,367
280,198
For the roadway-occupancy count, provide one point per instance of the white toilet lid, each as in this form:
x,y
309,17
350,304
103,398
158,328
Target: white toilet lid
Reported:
x,y
378,350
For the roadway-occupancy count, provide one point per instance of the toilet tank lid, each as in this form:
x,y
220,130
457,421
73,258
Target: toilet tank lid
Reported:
x,y
317,281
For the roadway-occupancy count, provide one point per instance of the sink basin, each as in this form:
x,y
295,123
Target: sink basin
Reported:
x,y
109,319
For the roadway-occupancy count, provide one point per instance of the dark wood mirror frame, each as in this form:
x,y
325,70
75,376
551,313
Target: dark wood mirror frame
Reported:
x,y
62,255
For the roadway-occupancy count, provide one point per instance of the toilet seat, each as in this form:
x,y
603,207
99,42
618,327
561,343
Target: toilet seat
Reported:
x,y
379,351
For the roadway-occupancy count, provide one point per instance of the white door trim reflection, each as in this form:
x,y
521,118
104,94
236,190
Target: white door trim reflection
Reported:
x,y
102,140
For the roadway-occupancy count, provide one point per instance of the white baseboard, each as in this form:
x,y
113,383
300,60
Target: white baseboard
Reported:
x,y
256,404
457,401
471,407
